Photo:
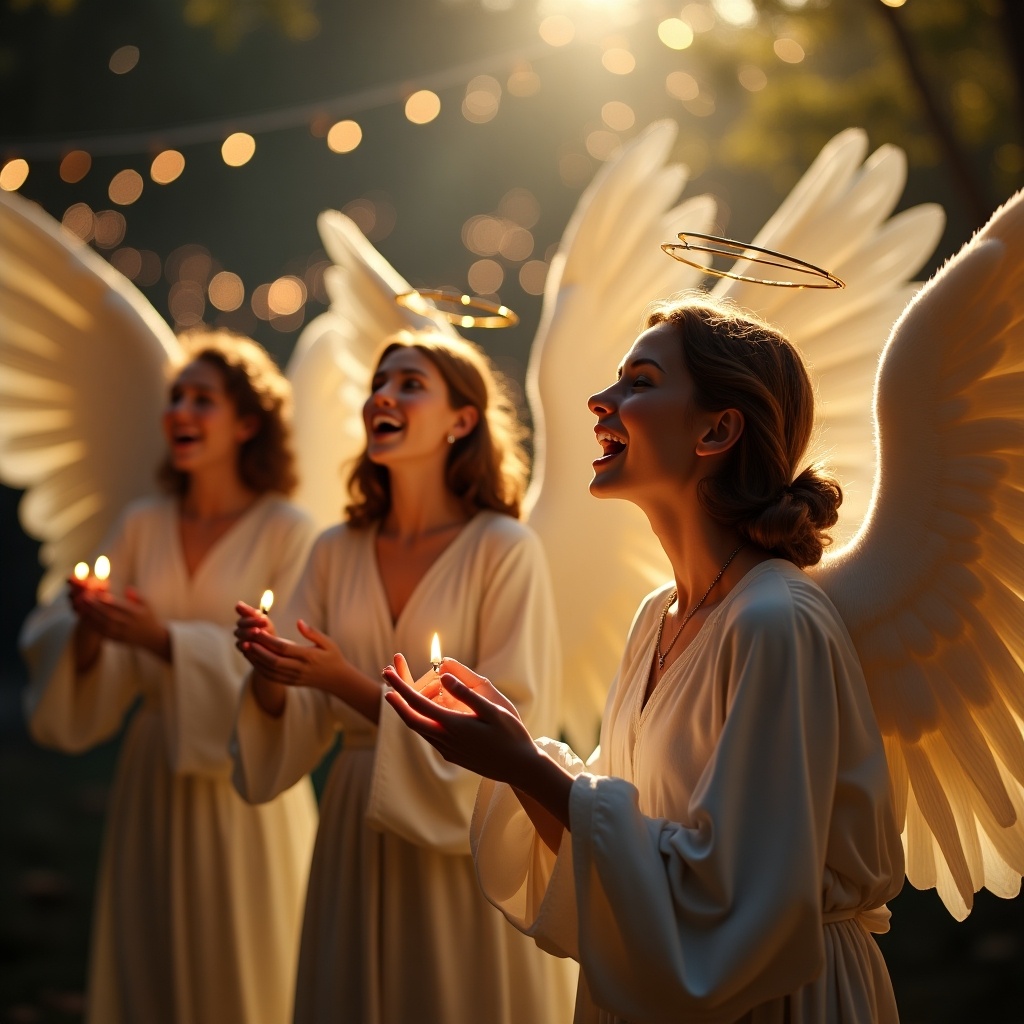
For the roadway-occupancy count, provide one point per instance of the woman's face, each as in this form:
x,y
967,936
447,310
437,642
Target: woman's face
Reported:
x,y
647,423
408,415
201,425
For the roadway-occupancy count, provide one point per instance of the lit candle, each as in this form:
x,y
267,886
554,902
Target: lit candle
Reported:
x,y
435,654
266,601
81,571
101,568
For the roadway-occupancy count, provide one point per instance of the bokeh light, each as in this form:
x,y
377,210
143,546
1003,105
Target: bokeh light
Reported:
x,y
520,205
532,276
523,81
741,13
788,50
286,295
125,187
79,220
151,270
344,136
128,261
109,229
238,149
557,30
618,116
675,33
374,214
75,166
123,59
601,144
698,16
13,174
226,291
167,166
482,234
618,60
483,96
422,106
682,85
186,301
485,277
752,78
259,303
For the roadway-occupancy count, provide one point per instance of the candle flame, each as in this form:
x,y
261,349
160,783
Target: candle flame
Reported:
x,y
435,652
101,568
81,571
267,601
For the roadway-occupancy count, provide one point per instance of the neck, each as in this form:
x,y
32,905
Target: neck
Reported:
x,y
215,495
421,504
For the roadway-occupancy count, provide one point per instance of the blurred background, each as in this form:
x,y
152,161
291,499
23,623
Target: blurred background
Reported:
x,y
194,142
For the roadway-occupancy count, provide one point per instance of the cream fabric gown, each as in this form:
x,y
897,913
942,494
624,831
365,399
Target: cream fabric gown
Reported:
x,y
396,927
733,842
199,897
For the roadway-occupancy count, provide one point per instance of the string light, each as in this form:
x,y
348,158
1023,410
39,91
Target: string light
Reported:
x,y
13,175
238,149
422,106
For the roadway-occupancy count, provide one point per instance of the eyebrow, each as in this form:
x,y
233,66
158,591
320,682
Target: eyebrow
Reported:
x,y
641,361
405,371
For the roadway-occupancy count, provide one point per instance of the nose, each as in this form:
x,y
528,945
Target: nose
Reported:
x,y
601,404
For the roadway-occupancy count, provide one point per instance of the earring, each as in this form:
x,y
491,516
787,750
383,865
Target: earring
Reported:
x,y
451,439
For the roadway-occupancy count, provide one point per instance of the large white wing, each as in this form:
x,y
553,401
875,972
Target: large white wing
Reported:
x,y
609,266
331,365
932,588
82,362
838,217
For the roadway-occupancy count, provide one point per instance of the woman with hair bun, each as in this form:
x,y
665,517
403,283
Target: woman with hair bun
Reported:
x,y
396,927
199,897
729,849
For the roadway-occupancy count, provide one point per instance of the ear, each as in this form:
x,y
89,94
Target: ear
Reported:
x,y
246,428
466,419
722,431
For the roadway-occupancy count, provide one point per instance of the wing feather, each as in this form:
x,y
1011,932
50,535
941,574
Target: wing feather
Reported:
x,y
82,361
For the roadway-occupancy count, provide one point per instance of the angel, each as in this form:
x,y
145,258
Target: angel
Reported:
x,y
779,719
199,894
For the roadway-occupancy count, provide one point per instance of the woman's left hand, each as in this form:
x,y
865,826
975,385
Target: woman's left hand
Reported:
x,y
130,621
319,664
470,723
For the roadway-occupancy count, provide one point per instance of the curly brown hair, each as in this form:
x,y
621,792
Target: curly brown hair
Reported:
x,y
486,469
256,387
738,361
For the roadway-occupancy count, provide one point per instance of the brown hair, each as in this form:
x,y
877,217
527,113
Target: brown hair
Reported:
x,y
486,469
737,361
256,388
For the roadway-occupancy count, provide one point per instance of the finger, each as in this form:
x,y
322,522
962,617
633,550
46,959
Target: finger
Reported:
x,y
280,646
425,727
462,672
321,640
473,699
402,667
412,696
134,596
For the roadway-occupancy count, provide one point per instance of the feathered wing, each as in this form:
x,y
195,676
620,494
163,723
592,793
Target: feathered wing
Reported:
x,y
609,265
838,217
332,362
82,362
932,587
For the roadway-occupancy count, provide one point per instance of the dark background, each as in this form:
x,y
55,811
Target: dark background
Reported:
x,y
940,78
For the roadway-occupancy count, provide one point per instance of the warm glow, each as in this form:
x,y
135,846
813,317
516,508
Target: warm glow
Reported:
x,y
752,78
894,3
532,276
287,295
681,85
523,81
602,145
736,12
101,568
788,50
238,149
125,187
618,61
167,166
79,220
108,229
618,116
128,261
344,136
75,166
186,301
13,175
267,601
435,652
485,277
423,106
516,244
675,33
226,291
557,30
124,59
81,571
483,95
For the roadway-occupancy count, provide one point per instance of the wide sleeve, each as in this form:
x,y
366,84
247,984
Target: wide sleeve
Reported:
x,y
271,754
64,709
710,917
202,685
415,792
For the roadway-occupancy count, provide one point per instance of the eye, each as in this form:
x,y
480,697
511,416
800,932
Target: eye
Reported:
x,y
378,382
642,382
412,384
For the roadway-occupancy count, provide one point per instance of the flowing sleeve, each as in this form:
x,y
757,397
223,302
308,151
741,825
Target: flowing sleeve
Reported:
x,y
271,754
64,709
415,792
202,685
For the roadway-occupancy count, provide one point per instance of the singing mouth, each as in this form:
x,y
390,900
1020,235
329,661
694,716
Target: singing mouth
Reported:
x,y
611,444
382,423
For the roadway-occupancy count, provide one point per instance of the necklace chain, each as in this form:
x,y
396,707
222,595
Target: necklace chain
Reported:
x,y
662,655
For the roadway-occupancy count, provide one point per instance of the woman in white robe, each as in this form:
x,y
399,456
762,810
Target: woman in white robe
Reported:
x,y
730,848
396,928
199,896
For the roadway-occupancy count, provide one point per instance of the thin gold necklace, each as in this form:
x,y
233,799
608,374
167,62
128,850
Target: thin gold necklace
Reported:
x,y
662,655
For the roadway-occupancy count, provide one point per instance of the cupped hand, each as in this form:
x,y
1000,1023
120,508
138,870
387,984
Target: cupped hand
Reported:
x,y
318,664
129,620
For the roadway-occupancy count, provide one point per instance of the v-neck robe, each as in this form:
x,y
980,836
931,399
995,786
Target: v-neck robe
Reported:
x,y
396,929
733,841
199,896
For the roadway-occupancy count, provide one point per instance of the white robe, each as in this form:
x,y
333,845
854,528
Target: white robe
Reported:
x,y
733,841
199,896
396,928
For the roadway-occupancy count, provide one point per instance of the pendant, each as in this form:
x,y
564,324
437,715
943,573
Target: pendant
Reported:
x,y
661,661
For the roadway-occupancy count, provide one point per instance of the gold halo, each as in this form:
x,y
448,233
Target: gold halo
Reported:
x,y
738,250
489,314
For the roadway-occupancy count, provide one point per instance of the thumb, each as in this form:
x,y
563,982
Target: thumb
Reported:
x,y
472,698
314,635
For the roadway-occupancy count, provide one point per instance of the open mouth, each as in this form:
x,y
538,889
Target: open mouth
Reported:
x,y
382,425
183,438
611,445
